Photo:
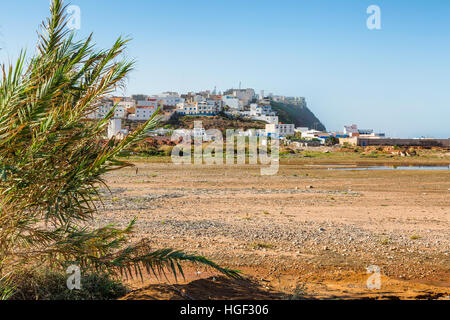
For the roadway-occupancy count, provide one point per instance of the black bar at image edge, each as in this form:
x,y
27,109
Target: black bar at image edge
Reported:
x,y
227,309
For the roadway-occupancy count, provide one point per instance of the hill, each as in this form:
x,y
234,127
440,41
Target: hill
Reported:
x,y
299,114
215,122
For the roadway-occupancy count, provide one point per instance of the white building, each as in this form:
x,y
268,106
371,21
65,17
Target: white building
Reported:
x,y
311,134
170,99
282,130
145,109
102,110
278,98
350,129
104,107
263,113
251,133
194,133
354,131
232,102
245,95
301,130
198,133
268,119
114,128
199,98
217,102
126,104
245,114
257,110
154,103
208,108
143,113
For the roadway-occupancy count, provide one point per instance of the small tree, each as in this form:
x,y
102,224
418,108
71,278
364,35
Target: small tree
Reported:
x,y
296,137
52,160
331,141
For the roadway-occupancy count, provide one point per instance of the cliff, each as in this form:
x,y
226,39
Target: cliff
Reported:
x,y
298,114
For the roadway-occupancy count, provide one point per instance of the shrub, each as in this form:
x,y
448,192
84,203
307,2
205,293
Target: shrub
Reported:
x,y
52,160
298,293
6,288
259,245
49,285
331,141
166,150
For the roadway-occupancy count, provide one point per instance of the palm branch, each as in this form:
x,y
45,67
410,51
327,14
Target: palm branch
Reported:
x,y
52,159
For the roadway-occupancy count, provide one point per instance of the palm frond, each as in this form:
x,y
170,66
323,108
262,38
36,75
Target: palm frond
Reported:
x,y
53,159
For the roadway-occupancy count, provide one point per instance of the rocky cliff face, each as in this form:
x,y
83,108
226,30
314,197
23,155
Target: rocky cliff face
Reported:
x,y
298,114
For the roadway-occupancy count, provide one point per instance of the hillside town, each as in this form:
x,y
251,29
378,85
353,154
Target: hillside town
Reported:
x,y
244,104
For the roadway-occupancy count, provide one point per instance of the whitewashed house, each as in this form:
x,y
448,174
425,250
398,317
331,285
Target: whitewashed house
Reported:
x,y
207,108
142,113
115,129
282,130
232,102
170,99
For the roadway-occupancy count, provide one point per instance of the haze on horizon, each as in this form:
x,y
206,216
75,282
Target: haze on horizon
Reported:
x,y
394,80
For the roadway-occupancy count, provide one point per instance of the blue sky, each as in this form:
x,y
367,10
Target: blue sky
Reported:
x,y
395,80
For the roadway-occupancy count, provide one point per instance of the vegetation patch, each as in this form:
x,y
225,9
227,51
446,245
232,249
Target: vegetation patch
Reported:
x,y
48,285
261,245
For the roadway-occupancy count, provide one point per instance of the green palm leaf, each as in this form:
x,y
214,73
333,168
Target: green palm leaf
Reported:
x,y
52,160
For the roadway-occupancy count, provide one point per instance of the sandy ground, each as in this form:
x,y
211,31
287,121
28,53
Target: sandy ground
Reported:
x,y
307,232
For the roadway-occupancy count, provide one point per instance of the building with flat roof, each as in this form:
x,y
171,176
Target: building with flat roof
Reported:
x,y
143,113
232,102
378,141
207,108
282,130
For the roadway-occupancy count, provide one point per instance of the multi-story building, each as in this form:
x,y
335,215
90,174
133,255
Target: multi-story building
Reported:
x,y
263,112
143,113
353,131
311,134
257,110
278,98
103,109
170,99
206,108
268,119
218,103
104,106
126,104
232,102
150,102
282,130
301,129
295,100
245,95
114,128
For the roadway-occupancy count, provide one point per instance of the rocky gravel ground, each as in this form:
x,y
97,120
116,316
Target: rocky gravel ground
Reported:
x,y
296,223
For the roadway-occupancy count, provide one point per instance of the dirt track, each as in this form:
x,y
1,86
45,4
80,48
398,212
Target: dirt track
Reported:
x,y
307,228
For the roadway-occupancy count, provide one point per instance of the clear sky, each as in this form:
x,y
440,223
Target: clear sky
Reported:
x,y
395,80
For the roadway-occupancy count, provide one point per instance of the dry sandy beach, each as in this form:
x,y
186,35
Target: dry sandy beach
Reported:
x,y
307,232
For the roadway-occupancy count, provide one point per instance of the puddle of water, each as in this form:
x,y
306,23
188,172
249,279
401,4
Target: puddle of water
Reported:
x,y
392,168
